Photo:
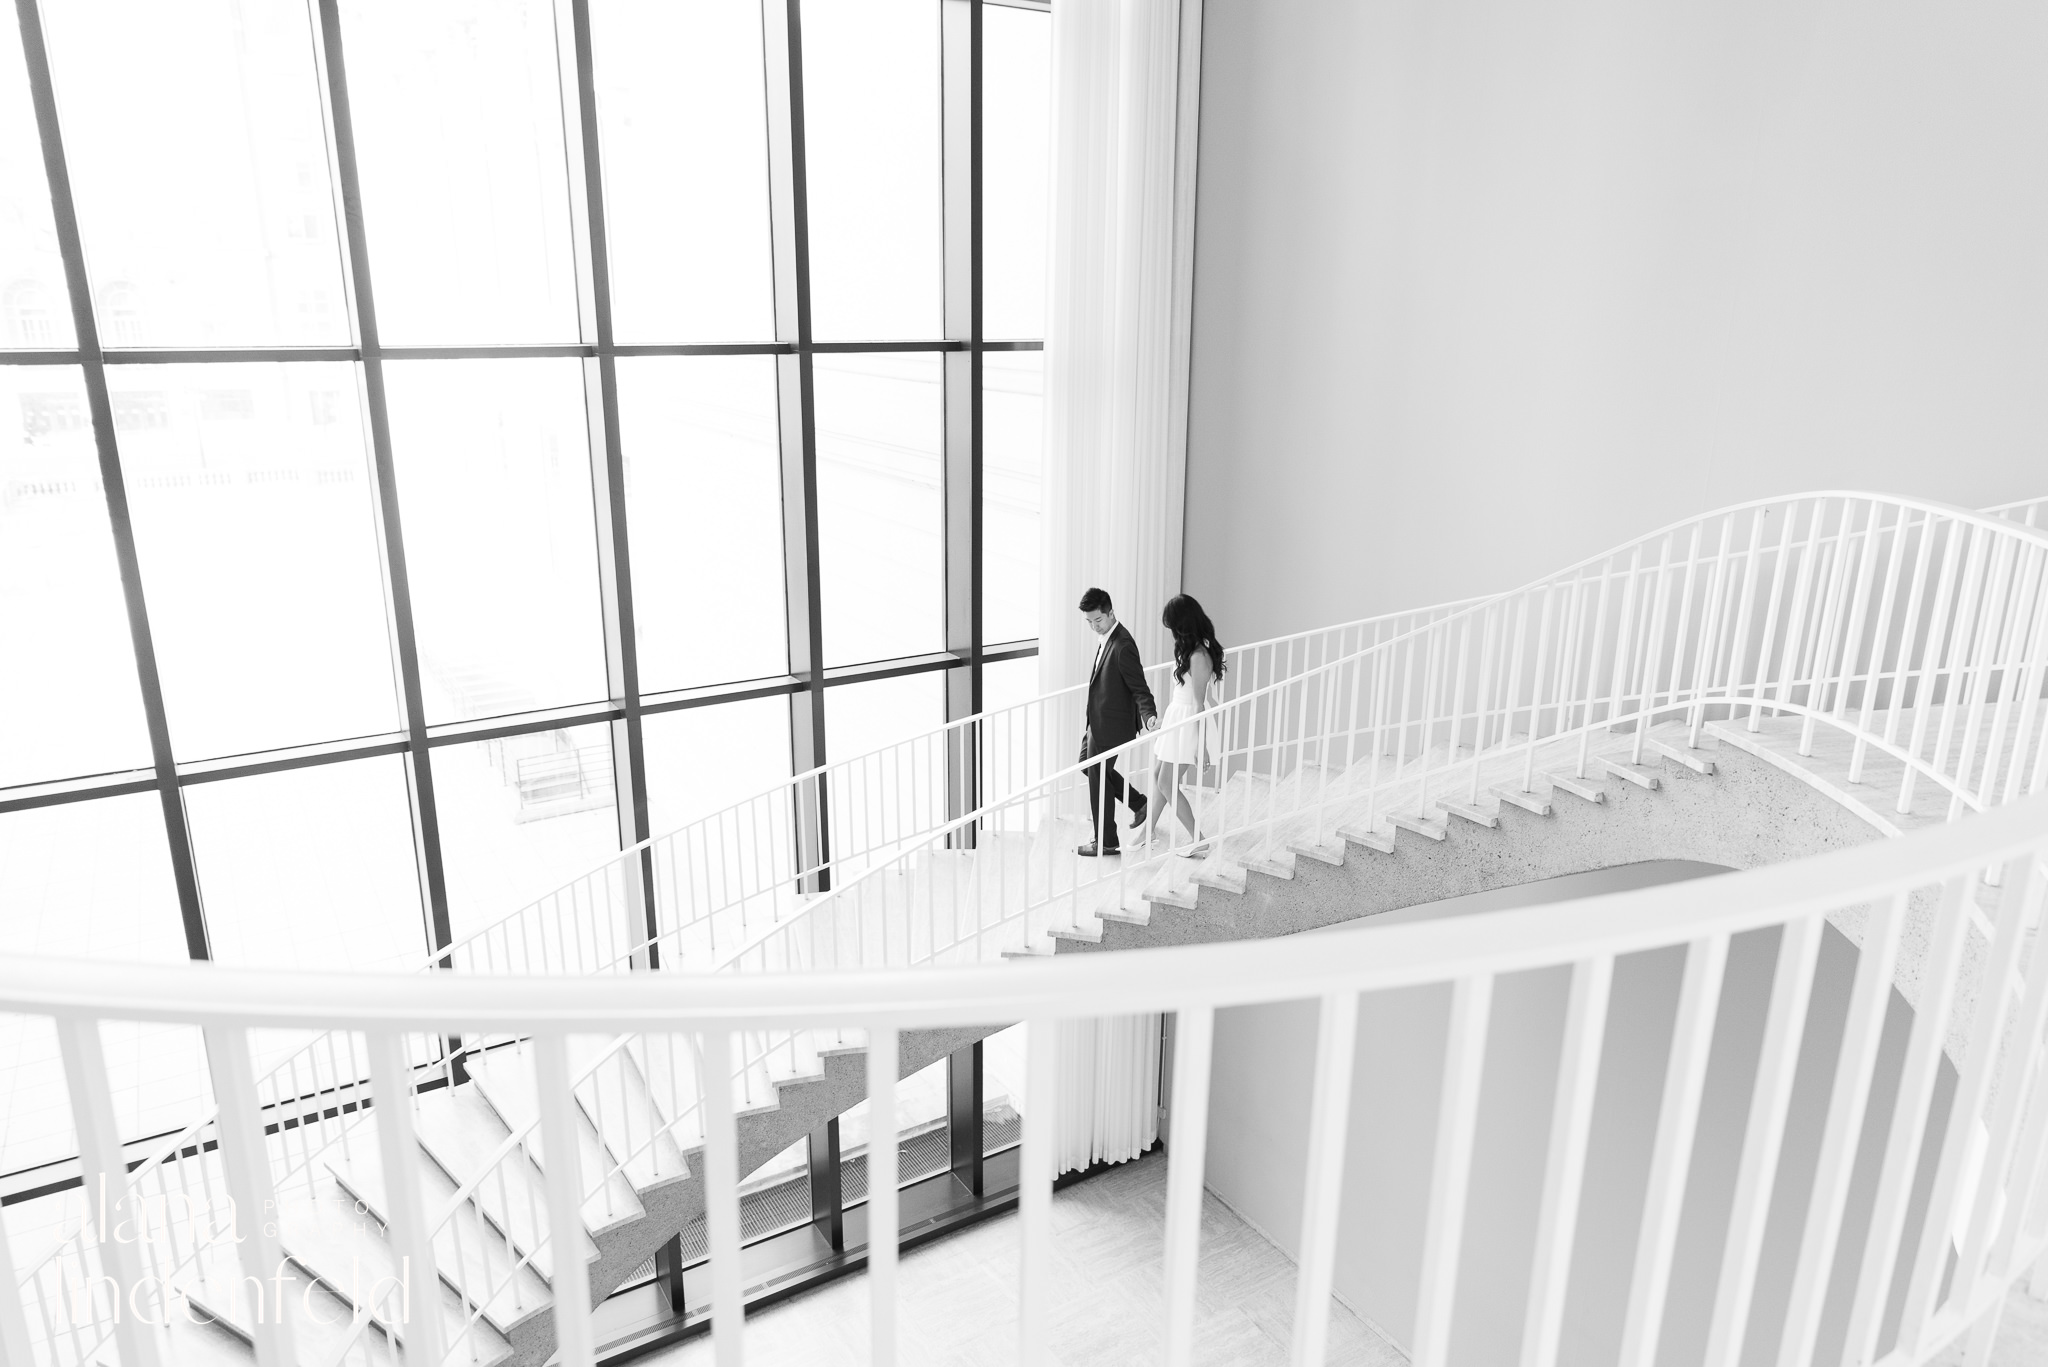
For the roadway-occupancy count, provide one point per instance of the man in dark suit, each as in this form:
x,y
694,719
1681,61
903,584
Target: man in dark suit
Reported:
x,y
1119,702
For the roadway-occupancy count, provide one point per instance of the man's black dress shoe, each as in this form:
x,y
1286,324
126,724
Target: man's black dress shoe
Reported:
x,y
1088,851
1137,806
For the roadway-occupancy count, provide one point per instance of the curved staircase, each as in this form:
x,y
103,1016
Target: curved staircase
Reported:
x,y
1754,686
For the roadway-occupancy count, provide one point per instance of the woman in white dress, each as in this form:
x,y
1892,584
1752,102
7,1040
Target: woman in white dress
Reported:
x,y
1198,663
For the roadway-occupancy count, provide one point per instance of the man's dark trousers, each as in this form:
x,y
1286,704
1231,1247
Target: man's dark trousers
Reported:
x,y
1103,814
1119,705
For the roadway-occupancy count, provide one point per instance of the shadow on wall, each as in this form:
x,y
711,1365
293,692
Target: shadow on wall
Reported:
x,y
1264,1057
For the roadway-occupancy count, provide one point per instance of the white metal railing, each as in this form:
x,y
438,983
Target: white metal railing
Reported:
x,y
2028,512
1914,632
1986,1204
713,881
720,880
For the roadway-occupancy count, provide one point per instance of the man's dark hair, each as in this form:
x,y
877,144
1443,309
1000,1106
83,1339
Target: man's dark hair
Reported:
x,y
1095,600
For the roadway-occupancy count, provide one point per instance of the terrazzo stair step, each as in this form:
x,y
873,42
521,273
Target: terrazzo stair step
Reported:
x,y
1127,915
1322,851
1577,787
474,1258
320,1318
1679,754
1528,802
1622,769
345,1247
505,1077
200,1340
1274,864
463,1134
1163,892
1478,816
1081,933
797,1066
651,1157
1420,825
1034,950
1223,877
1370,839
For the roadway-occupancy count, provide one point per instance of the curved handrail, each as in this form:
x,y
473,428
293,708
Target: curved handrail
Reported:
x,y
1649,623
1996,1232
1275,727
1237,972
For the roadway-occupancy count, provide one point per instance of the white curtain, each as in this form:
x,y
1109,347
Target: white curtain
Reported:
x,y
1125,106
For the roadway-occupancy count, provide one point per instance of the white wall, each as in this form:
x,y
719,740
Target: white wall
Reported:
x,y
1485,287
1259,1113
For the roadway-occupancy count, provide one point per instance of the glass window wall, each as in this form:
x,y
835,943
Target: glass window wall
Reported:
x,y
563,478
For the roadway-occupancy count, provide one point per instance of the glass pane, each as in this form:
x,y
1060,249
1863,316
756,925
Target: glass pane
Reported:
x,y
234,467
494,478
881,506
682,106
1016,134
458,119
1012,455
704,503
864,717
156,1072
922,1147
1002,1088
522,816
705,759
310,868
871,131
70,695
92,880
34,310
198,155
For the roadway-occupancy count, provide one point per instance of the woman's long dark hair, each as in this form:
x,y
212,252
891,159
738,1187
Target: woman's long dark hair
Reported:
x,y
1191,632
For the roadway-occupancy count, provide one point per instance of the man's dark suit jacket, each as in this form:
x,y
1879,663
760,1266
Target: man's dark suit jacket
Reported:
x,y
1119,701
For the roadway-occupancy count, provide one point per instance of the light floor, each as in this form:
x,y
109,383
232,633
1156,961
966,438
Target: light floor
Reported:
x,y
958,1300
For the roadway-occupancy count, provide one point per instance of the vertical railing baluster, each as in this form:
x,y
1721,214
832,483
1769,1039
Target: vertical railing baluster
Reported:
x,y
1564,1166
104,1169
1770,1102
1652,646
1685,1075
1450,1180
1828,619
1869,1001
1762,680
1323,1176
882,1202
1940,644
408,1229
722,1195
1036,1168
575,1341
1194,1038
2010,1093
1915,1098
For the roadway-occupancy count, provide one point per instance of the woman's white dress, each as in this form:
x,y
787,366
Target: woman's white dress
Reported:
x,y
1180,733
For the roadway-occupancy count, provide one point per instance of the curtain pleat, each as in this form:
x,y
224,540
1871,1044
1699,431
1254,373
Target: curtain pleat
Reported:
x,y
1125,105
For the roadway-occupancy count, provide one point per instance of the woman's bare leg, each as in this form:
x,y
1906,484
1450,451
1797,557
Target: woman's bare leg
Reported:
x,y
1156,801
1183,808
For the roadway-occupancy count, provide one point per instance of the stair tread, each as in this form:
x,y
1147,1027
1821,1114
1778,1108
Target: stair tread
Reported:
x,y
477,1263
505,1076
1577,787
461,1130
328,1237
